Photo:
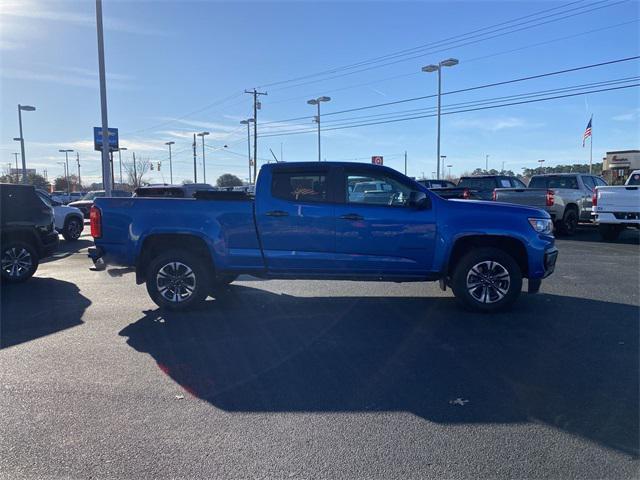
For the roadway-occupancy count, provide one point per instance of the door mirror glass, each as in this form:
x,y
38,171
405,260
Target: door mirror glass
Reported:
x,y
419,200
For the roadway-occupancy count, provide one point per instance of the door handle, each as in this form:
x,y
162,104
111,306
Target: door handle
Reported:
x,y
352,216
277,213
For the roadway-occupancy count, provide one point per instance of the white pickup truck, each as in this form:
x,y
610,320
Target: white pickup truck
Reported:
x,y
615,208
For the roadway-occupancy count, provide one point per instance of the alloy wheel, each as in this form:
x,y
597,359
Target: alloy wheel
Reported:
x,y
176,282
488,282
16,262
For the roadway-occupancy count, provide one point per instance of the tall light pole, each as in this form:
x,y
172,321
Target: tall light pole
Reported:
x,y
120,149
450,62
170,165
66,162
21,108
66,175
541,168
204,168
449,167
248,123
318,101
443,158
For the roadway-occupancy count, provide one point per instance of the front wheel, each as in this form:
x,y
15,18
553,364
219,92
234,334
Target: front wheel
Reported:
x,y
177,280
73,229
569,223
487,280
19,261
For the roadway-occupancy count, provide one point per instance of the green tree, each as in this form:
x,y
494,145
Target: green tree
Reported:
x,y
228,180
60,183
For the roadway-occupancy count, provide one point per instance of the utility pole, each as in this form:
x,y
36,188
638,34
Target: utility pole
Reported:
x,y
170,165
78,161
120,160
256,107
405,162
204,167
106,179
195,166
248,122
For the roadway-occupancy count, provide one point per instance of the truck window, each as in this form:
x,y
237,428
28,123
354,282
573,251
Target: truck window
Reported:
x,y
554,181
588,182
300,187
478,183
634,179
377,190
517,183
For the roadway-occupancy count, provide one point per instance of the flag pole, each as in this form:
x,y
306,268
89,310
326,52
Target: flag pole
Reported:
x,y
591,145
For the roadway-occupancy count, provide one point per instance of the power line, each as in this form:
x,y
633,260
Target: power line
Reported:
x,y
445,48
468,89
457,111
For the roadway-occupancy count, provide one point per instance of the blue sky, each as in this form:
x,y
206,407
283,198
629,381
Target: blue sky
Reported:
x,y
175,68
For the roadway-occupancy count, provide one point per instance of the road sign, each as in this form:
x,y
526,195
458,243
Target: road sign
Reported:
x,y
113,139
377,160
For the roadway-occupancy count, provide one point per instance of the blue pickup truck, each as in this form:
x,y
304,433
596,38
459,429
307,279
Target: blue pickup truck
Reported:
x,y
316,221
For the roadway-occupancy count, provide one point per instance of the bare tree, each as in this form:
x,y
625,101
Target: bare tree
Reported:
x,y
136,173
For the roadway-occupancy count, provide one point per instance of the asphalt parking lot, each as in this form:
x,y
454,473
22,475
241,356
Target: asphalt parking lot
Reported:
x,y
300,379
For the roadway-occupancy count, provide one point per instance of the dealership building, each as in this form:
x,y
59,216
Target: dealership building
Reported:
x,y
616,166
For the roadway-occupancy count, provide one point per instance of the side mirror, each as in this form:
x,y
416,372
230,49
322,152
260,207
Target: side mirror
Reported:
x,y
419,200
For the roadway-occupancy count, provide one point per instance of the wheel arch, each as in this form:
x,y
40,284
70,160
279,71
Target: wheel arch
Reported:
x,y
513,246
156,243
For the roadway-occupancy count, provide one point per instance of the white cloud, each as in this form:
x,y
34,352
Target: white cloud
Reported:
x,y
61,78
627,117
494,124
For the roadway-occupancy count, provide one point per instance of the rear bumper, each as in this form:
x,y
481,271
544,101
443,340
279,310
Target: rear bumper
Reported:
x,y
617,218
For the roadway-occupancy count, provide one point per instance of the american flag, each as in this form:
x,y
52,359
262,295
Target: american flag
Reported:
x,y
587,132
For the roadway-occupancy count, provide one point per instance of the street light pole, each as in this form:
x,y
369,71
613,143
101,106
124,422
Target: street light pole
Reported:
x,y
66,162
106,171
449,167
450,62
26,108
318,101
443,158
170,166
248,122
541,168
120,160
204,168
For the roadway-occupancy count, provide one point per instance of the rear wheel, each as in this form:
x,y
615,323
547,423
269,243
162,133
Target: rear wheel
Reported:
x,y
610,232
73,229
18,261
569,223
487,280
177,280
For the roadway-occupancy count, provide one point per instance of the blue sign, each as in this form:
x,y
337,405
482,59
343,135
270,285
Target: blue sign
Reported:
x,y
113,139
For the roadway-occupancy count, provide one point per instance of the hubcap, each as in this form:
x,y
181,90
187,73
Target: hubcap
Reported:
x,y
74,228
16,262
488,282
176,282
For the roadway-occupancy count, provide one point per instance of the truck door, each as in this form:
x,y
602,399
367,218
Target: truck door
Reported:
x,y
296,220
378,233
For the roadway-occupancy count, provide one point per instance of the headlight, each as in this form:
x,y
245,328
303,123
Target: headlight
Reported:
x,y
542,225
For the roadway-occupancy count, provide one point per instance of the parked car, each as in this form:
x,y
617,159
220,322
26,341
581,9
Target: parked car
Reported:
x,y
68,221
86,202
304,223
615,208
27,232
174,191
479,187
430,183
566,196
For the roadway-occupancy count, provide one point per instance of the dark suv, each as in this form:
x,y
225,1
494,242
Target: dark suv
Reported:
x,y
27,232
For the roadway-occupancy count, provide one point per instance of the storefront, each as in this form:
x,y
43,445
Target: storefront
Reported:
x,y
617,166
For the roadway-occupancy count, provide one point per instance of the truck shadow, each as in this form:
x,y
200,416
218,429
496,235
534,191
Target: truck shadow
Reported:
x,y
567,362
39,307
66,249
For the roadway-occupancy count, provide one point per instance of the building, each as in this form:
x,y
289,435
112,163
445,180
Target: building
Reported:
x,y
616,166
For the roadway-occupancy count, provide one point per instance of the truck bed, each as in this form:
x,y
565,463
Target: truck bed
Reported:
x,y
226,225
533,197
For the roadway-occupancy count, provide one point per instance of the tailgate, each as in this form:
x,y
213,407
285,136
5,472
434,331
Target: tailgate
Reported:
x,y
618,199
533,197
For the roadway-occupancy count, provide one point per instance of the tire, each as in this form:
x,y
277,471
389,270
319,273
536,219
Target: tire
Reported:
x,y
73,227
569,223
18,261
610,233
183,267
480,266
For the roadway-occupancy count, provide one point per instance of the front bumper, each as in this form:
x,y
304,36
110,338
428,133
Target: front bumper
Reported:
x,y
550,258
